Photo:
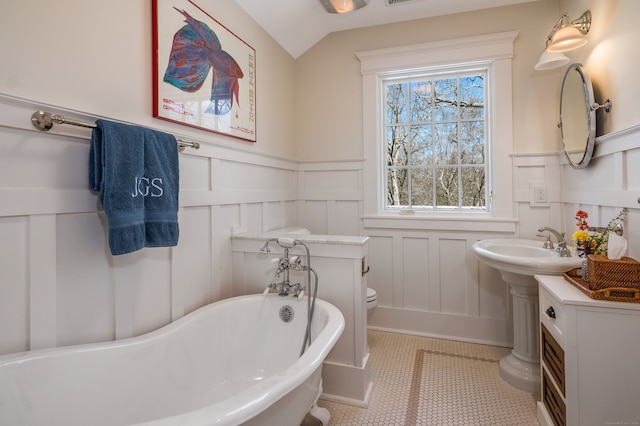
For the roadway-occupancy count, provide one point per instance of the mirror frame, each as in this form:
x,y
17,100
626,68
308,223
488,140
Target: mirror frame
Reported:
x,y
589,100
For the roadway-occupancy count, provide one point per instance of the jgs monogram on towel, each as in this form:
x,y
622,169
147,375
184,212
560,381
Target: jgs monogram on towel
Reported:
x,y
146,187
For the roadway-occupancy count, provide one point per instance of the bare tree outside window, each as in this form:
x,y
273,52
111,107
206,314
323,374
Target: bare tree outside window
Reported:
x,y
435,130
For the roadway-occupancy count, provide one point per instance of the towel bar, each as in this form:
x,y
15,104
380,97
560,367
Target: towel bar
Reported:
x,y
42,120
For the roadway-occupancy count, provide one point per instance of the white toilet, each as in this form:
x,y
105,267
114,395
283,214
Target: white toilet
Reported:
x,y
372,302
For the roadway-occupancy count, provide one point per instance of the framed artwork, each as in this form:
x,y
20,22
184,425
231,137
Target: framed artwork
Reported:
x,y
204,76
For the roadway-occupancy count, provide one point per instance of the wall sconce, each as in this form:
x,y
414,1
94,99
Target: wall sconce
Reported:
x,y
343,6
564,36
549,60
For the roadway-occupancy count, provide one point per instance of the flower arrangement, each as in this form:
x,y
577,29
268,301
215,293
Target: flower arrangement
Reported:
x,y
594,242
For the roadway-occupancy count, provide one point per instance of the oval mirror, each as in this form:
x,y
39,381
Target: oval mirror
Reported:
x,y
577,117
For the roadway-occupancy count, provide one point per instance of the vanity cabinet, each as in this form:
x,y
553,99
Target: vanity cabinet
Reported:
x,y
590,358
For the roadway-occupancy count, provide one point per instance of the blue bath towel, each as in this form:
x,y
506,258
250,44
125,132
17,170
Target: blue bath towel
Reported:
x,y
135,171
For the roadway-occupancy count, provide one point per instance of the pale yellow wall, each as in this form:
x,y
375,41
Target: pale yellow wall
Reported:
x,y
96,57
329,87
611,58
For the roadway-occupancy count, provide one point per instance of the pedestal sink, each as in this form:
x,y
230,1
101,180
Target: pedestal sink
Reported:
x,y
518,261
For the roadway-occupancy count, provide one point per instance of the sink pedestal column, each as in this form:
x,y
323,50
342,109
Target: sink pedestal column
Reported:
x,y
521,368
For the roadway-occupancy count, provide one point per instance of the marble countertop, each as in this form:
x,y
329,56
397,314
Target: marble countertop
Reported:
x,y
306,238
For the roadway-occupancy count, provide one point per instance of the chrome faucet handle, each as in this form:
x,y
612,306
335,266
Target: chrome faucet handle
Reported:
x,y
563,251
298,290
548,244
617,228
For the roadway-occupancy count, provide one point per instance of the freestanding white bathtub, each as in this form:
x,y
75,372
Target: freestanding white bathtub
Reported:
x,y
228,363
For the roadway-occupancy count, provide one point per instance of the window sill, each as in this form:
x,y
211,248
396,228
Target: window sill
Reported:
x,y
441,223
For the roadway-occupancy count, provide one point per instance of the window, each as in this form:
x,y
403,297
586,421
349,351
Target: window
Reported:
x,y
438,135
435,141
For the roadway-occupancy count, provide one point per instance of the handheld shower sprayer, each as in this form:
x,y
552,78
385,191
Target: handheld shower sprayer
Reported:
x,y
285,264
288,242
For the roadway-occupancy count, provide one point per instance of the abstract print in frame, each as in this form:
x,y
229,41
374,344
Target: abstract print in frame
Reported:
x,y
204,75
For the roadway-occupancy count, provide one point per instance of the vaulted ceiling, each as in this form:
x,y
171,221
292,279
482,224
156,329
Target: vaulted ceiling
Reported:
x,y
299,24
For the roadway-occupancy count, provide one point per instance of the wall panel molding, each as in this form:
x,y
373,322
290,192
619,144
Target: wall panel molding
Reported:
x,y
42,283
74,291
61,273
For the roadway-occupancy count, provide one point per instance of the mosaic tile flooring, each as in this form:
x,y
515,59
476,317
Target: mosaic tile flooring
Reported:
x,y
420,381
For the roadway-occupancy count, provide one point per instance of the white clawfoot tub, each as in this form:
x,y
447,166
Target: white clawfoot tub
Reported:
x,y
228,363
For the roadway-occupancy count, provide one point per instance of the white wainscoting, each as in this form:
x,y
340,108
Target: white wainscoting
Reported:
x,y
610,182
59,284
428,281
330,197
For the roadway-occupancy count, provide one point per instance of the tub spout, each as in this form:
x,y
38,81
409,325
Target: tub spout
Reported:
x,y
285,289
280,287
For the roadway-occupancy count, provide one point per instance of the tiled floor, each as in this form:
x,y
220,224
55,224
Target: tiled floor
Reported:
x,y
424,381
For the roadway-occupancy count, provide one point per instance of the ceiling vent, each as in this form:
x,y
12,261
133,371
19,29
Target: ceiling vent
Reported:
x,y
395,2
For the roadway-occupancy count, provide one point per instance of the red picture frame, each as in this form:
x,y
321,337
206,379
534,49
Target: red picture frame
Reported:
x,y
204,76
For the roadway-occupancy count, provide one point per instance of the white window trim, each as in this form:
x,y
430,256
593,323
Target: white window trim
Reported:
x,y
495,51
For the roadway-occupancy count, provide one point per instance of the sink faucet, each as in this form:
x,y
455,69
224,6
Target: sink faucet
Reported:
x,y
562,250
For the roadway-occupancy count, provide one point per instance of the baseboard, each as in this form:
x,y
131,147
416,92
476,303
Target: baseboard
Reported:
x,y
349,401
347,384
485,331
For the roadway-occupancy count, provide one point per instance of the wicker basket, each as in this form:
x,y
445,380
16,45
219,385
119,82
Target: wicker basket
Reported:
x,y
605,273
614,294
